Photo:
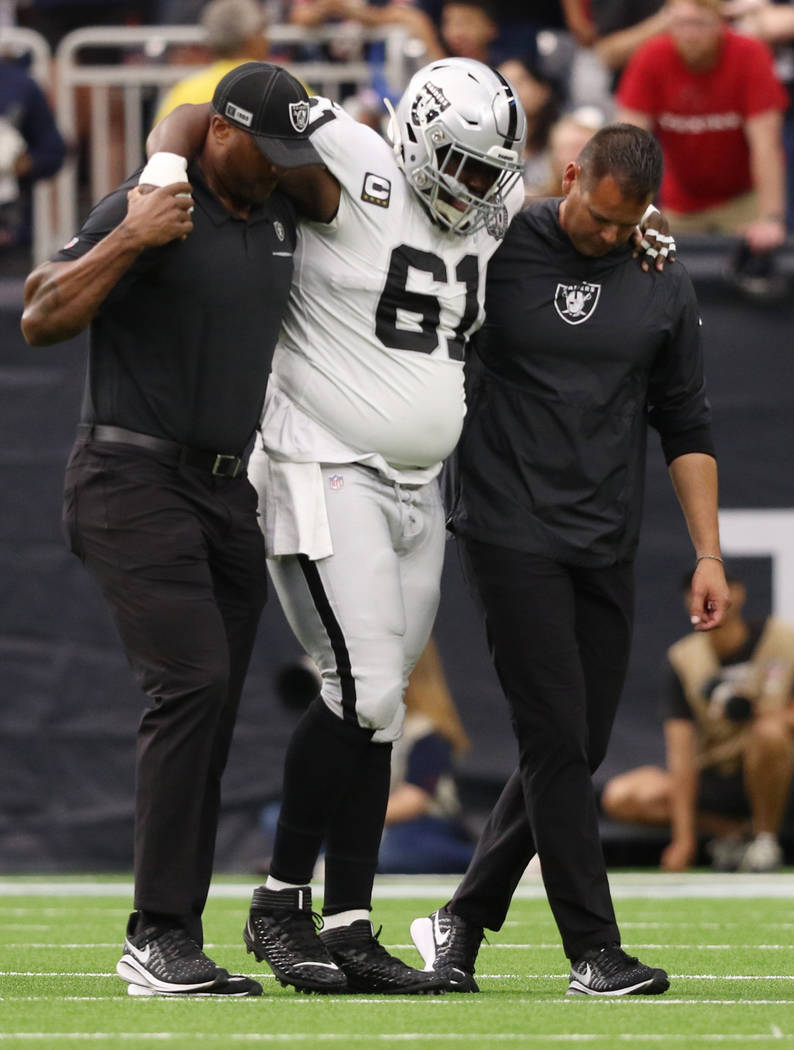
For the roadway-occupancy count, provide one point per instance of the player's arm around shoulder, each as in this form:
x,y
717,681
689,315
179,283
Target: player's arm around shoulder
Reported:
x,y
62,298
312,189
348,149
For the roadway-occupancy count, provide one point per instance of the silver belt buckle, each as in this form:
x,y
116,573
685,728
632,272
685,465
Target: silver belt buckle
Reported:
x,y
227,466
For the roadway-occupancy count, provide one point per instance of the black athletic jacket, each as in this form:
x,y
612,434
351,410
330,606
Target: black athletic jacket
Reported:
x,y
577,356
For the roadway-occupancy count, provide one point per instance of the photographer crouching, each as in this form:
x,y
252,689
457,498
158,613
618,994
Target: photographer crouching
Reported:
x,y
729,732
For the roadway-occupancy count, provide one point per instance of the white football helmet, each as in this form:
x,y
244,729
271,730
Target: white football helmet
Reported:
x,y
459,114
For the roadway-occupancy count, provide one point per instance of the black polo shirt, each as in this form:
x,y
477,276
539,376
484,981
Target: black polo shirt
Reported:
x,y
576,357
181,347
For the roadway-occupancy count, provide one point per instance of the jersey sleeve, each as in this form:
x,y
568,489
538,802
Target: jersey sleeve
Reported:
x,y
331,130
350,150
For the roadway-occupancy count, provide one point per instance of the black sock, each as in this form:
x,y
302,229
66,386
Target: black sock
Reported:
x,y
322,763
157,919
354,834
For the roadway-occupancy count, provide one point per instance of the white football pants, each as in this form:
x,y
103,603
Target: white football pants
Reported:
x,y
365,613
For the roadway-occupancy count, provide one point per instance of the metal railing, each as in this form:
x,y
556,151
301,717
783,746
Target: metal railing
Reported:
x,y
16,42
140,80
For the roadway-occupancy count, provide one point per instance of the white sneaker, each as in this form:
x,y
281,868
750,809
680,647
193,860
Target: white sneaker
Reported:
x,y
763,854
727,853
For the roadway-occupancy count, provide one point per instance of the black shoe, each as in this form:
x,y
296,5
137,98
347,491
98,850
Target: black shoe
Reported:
x,y
449,944
282,931
166,962
609,971
368,967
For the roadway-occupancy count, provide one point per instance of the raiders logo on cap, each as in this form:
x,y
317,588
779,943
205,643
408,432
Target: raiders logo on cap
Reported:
x,y
273,107
299,116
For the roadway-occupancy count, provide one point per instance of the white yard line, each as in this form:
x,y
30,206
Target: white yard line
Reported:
x,y
439,1001
687,1039
656,885
488,976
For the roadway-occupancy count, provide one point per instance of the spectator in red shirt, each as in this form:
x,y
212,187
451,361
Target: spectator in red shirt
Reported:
x,y
716,106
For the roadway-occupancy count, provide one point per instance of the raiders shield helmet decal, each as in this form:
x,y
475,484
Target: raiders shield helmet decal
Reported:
x,y
576,302
299,116
430,103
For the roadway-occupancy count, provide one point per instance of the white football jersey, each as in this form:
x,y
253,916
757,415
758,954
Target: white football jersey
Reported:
x,y
369,363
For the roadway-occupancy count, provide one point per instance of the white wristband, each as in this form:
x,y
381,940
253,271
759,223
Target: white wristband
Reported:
x,y
163,169
645,215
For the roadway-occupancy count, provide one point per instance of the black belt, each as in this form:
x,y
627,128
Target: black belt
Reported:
x,y
217,463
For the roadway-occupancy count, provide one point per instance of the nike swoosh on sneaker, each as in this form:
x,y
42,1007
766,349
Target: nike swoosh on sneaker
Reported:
x,y
327,966
438,936
141,954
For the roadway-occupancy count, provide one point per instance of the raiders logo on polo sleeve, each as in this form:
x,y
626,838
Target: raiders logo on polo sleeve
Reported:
x,y
376,190
576,302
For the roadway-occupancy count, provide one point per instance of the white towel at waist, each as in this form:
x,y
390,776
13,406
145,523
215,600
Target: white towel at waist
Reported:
x,y
292,510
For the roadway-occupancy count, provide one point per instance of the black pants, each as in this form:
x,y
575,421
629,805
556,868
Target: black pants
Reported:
x,y
180,559
560,638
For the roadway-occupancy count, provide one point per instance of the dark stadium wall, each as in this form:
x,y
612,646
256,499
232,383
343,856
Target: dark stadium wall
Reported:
x,y
70,705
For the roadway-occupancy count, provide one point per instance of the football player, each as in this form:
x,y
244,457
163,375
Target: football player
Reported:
x,y
366,401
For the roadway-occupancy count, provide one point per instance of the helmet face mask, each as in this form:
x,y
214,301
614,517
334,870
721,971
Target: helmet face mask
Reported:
x,y
458,133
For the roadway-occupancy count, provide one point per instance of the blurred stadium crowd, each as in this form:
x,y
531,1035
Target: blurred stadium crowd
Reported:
x,y
712,79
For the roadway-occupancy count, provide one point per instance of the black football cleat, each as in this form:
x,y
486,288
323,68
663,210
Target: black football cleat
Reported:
x,y
282,931
368,967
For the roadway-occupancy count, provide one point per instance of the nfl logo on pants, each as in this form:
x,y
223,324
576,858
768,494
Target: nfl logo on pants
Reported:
x,y
336,481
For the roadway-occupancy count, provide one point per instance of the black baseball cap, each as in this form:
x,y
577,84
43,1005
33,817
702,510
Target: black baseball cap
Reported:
x,y
273,107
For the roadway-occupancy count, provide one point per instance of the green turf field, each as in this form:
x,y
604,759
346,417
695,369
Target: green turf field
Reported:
x,y
728,944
